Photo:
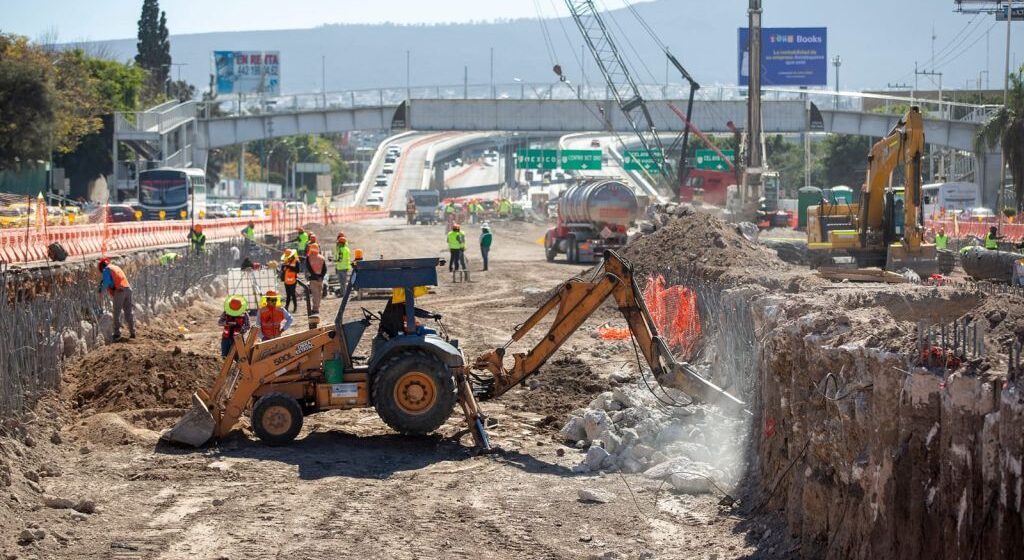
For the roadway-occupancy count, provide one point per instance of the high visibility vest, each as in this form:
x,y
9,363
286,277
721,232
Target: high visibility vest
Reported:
x,y
250,233
450,209
271,319
991,242
456,240
941,241
290,276
342,257
119,277
303,241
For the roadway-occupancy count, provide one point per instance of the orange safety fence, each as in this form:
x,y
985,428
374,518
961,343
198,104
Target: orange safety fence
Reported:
x,y
674,312
24,245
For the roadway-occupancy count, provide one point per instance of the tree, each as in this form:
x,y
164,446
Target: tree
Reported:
x,y
844,159
28,106
1006,129
154,46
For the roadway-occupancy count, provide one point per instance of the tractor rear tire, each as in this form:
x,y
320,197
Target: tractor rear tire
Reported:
x,y
276,418
414,392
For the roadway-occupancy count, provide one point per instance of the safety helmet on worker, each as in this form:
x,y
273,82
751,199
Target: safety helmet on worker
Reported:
x,y
299,229
456,227
199,228
271,298
235,305
104,262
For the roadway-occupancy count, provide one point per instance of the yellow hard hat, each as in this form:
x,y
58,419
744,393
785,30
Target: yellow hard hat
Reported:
x,y
235,305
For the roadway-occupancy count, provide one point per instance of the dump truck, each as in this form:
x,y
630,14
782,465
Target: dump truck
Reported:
x,y
414,375
427,203
593,216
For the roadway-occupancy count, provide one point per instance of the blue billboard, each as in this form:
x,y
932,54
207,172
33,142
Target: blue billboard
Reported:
x,y
790,56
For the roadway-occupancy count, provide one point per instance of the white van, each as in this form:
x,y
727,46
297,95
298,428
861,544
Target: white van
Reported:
x,y
255,208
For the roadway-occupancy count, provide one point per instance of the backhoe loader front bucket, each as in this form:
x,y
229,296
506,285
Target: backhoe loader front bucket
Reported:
x,y
195,428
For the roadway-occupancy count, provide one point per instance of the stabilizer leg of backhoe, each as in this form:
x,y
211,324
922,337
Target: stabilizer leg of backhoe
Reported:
x,y
475,419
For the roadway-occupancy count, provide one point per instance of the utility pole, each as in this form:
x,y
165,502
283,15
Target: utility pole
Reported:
x,y
493,92
837,61
1006,98
752,175
323,78
408,77
465,82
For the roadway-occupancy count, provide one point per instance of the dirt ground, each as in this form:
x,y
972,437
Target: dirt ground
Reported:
x,y
348,487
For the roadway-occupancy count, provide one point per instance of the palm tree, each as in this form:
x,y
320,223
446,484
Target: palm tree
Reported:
x,y
1006,128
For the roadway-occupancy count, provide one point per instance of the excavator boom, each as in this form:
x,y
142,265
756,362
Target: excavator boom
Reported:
x,y
573,303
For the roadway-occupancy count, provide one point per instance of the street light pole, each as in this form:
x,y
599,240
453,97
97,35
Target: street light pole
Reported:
x,y
837,61
1006,97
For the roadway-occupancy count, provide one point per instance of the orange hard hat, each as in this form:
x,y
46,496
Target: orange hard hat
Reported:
x,y
199,228
271,294
341,235
359,254
300,230
103,263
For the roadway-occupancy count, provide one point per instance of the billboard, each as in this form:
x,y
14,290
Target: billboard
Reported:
x,y
790,56
248,72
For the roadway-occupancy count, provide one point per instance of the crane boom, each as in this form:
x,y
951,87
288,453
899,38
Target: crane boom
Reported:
x,y
573,303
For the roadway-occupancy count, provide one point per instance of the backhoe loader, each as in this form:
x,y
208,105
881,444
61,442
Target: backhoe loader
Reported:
x,y
413,376
885,228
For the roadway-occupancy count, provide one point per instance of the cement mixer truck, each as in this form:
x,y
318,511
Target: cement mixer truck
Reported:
x,y
593,216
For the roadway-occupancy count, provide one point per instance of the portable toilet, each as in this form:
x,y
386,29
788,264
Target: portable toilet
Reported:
x,y
842,195
806,197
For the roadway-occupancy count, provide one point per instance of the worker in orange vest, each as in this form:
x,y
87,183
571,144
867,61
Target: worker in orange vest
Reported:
x,y
290,277
272,320
116,283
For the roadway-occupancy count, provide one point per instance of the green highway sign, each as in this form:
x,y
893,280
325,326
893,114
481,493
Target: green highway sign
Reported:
x,y
708,159
637,159
580,159
536,159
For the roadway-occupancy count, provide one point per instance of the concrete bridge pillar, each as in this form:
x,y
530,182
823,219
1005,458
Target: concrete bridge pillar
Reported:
x,y
437,181
988,177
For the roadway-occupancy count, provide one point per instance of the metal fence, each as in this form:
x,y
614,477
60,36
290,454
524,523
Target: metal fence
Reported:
x,y
44,305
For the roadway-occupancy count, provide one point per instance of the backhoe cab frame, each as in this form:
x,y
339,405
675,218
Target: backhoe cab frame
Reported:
x,y
413,377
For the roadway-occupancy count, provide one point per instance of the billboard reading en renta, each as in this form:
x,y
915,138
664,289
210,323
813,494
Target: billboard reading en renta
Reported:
x,y
790,56
248,72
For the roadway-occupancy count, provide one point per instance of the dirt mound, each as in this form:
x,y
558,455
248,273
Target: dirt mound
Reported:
x,y
131,376
562,385
705,246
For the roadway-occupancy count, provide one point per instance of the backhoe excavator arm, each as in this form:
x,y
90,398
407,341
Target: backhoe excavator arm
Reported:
x,y
904,144
573,303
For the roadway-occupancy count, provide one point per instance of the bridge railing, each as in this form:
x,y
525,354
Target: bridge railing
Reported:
x,y
390,97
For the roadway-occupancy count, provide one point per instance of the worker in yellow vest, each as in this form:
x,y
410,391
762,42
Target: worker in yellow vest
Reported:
x,y
941,239
456,246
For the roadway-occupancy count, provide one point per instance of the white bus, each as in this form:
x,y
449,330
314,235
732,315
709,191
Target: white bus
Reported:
x,y
949,198
172,191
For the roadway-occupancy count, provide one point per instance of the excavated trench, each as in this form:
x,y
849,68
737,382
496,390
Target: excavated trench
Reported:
x,y
861,441
865,453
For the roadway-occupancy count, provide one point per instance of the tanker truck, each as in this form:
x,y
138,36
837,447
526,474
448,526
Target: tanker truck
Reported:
x,y
593,216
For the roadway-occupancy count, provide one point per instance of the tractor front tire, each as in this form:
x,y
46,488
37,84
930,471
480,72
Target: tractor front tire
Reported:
x,y
414,392
276,418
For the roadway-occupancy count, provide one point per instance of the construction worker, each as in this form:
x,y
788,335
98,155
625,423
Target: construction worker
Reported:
x,y
303,240
168,258
272,320
342,261
456,245
941,239
316,270
486,238
235,320
197,239
410,211
116,283
449,214
992,239
290,276
505,208
249,233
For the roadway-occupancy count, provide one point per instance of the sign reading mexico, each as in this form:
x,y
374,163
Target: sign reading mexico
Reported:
x,y
248,72
790,56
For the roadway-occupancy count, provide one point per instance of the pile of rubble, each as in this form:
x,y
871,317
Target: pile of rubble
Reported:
x,y
638,427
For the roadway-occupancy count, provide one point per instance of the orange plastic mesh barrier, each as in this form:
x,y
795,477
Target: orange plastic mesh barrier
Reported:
x,y
675,314
613,333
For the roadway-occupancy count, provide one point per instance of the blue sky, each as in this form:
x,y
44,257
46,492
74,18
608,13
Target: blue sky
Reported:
x,y
116,19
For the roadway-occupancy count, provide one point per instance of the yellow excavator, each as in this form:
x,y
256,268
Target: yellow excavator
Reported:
x,y
413,376
884,229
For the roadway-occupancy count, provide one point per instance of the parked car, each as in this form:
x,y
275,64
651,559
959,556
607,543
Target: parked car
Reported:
x,y
214,211
113,213
295,207
252,208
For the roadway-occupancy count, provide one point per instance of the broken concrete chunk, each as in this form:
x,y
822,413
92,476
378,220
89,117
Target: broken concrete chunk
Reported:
x,y
58,503
595,495
597,457
574,429
596,424
690,483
